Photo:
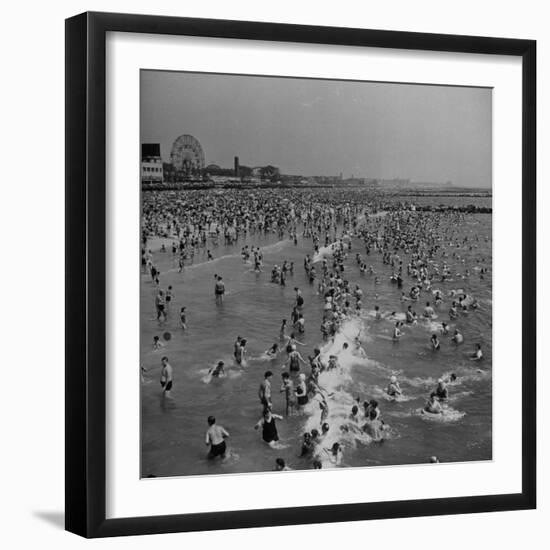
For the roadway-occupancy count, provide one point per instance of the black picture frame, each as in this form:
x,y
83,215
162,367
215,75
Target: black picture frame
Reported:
x,y
85,492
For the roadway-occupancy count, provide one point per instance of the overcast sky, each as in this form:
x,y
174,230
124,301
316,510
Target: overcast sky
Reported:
x,y
324,127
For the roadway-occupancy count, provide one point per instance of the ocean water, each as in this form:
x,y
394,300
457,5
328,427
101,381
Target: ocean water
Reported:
x,y
173,430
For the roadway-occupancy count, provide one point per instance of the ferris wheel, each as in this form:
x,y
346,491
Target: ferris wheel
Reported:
x,y
187,154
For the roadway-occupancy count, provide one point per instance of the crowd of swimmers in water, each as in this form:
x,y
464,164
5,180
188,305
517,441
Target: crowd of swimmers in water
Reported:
x,y
409,243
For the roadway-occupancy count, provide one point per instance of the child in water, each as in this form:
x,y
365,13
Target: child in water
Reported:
x,y
433,406
478,354
393,389
335,454
396,331
282,330
157,344
240,352
218,370
301,390
273,350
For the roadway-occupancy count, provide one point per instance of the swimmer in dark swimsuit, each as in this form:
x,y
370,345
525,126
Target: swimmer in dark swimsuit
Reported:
x,y
294,359
169,296
215,437
269,428
219,289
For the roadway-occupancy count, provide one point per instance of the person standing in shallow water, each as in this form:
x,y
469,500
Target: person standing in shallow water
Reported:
x,y
264,393
215,437
299,303
294,360
282,330
236,346
219,289
288,388
269,428
301,390
393,389
160,305
240,352
166,379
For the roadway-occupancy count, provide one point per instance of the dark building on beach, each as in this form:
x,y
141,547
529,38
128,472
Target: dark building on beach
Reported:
x,y
151,163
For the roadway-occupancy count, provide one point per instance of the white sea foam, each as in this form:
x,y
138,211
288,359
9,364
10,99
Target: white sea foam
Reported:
x,y
337,384
269,248
448,415
431,326
324,252
380,393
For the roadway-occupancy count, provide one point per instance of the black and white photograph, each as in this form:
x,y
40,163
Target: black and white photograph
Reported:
x,y
288,266
316,273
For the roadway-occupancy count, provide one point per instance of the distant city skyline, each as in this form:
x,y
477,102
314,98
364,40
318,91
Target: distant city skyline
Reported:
x,y
325,127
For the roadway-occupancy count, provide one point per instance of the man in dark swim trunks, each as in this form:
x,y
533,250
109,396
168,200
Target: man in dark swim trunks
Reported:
x,y
166,377
219,289
215,437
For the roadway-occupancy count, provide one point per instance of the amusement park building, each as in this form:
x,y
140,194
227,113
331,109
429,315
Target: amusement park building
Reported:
x,y
151,163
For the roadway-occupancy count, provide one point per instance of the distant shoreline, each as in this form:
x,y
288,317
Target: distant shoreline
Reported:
x,y
408,192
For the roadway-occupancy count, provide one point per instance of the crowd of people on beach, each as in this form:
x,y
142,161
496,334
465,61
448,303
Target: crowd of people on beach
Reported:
x,y
419,253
